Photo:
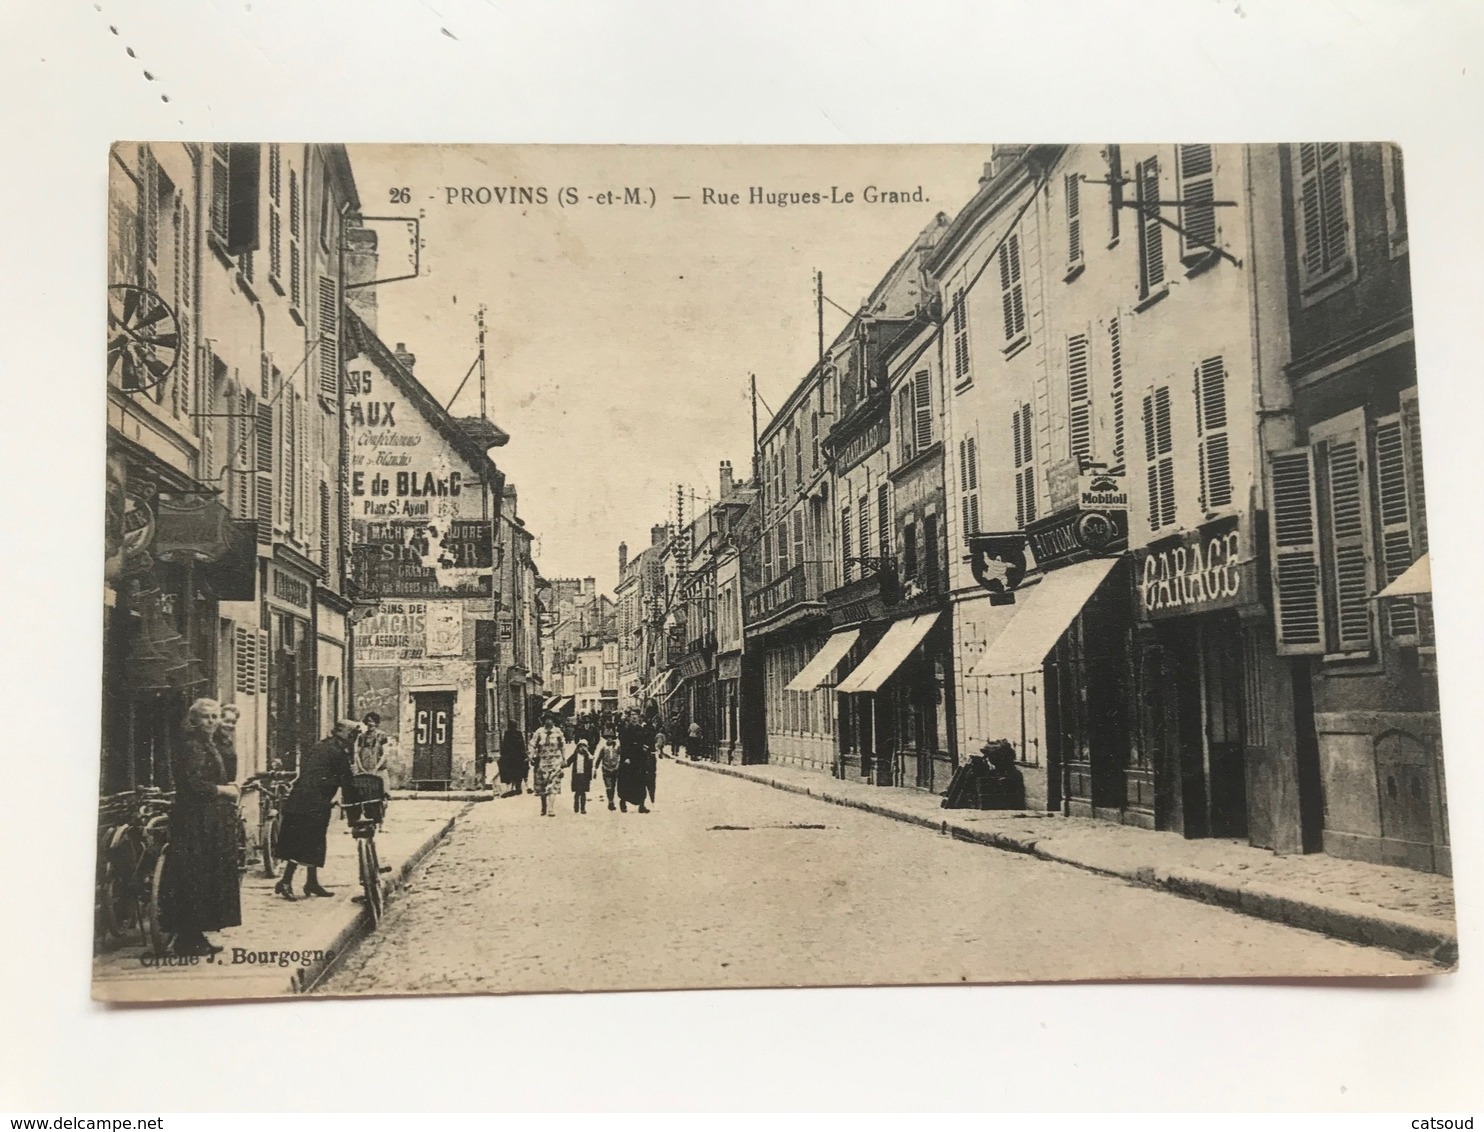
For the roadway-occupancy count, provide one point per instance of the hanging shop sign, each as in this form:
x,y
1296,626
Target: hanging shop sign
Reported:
x,y
1076,534
1196,571
870,439
1099,491
998,561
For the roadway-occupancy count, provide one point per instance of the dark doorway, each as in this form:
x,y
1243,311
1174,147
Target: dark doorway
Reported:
x,y
1224,711
432,739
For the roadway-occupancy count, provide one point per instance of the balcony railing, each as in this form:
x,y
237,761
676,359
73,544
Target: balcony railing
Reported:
x,y
804,583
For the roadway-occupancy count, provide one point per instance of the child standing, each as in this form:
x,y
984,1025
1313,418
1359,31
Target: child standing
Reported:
x,y
581,762
607,757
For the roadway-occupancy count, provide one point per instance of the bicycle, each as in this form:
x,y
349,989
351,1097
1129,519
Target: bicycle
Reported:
x,y
272,788
115,904
365,815
154,833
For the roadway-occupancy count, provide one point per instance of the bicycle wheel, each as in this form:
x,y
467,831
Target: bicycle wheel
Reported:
x,y
267,838
370,877
120,892
156,938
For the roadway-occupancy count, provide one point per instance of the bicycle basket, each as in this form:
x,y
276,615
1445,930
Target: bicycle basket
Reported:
x,y
368,798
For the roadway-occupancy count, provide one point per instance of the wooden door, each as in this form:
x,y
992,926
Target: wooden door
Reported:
x,y
432,737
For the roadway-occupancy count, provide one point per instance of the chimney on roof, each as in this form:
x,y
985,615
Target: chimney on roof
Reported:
x,y
623,557
726,479
659,534
1001,157
406,360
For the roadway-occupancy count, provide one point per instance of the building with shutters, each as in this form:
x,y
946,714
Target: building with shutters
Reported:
x,y
518,684
890,684
227,571
426,502
1348,513
1112,381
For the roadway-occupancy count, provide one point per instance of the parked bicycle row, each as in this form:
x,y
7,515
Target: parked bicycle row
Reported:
x,y
170,862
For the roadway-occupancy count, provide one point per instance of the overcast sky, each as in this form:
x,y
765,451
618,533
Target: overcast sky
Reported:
x,y
620,337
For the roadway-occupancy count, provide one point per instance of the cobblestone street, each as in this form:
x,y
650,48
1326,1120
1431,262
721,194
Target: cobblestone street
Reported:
x,y
730,883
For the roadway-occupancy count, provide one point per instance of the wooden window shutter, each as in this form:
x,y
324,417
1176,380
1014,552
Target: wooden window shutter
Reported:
x,y
1015,448
923,407
1012,293
798,538
863,519
1072,185
883,520
1394,502
1349,540
1197,168
262,665
264,474
1293,525
960,338
265,391
244,660
221,190
324,524
1115,361
1322,220
781,545
904,419
1211,430
1079,399
1412,440
1159,457
1151,229
285,515
242,177
846,551
1332,203
329,345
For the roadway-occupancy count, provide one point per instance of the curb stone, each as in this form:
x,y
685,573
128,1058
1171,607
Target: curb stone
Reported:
x,y
306,978
1422,936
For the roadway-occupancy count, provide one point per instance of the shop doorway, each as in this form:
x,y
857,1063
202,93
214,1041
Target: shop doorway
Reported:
x,y
432,739
1223,686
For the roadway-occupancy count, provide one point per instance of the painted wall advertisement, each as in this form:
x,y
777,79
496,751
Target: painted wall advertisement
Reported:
x,y
416,506
1196,572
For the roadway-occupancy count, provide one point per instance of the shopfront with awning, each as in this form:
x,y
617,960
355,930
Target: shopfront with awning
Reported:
x,y
1041,615
822,666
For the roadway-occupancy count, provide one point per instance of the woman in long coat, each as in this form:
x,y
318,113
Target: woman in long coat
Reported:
x,y
201,878
325,771
635,766
514,763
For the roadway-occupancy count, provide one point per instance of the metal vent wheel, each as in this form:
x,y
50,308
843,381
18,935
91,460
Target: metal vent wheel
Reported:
x,y
143,337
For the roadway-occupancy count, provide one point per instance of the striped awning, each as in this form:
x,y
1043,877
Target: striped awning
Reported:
x,y
818,670
889,653
1042,615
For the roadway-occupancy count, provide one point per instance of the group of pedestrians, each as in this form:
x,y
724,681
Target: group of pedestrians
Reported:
x,y
624,751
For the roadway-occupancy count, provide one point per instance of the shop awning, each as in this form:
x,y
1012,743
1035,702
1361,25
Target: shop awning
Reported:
x,y
1415,579
890,651
1042,615
658,686
818,670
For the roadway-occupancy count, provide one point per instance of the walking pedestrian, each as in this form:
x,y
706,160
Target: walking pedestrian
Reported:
x,y
636,766
693,741
201,878
325,771
548,749
607,756
514,763
659,744
581,762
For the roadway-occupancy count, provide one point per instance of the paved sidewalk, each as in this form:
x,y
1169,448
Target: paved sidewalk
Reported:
x,y
282,947
1380,905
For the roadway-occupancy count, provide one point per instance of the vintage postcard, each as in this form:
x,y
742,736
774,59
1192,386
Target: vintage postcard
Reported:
x,y
613,568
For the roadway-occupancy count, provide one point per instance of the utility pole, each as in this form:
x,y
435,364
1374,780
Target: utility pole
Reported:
x,y
755,477
479,318
819,309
